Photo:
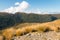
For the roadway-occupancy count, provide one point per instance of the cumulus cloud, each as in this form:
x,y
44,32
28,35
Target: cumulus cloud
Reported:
x,y
20,8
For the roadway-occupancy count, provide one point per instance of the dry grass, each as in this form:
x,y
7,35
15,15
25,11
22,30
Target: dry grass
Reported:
x,y
8,33
1,37
31,27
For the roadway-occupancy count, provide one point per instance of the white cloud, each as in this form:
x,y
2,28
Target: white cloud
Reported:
x,y
24,5
20,8
38,11
35,11
17,3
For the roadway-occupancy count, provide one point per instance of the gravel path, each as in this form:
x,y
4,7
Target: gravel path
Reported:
x,y
40,36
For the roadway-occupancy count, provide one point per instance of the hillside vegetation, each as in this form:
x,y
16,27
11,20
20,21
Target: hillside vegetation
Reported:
x,y
8,19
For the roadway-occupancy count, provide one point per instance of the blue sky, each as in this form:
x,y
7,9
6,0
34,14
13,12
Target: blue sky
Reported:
x,y
43,5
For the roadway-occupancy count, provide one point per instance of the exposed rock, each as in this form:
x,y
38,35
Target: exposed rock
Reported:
x,y
39,36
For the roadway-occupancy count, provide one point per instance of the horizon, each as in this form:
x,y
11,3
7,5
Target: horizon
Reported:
x,y
30,6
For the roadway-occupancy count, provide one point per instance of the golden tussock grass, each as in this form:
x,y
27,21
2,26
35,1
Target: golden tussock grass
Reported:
x,y
31,27
8,33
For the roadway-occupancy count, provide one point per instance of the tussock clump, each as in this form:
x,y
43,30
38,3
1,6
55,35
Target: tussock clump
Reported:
x,y
53,28
20,32
41,28
8,33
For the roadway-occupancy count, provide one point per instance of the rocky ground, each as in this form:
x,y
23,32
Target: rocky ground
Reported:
x,y
39,36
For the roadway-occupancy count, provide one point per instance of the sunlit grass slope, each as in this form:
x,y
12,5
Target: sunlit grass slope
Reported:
x,y
25,28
